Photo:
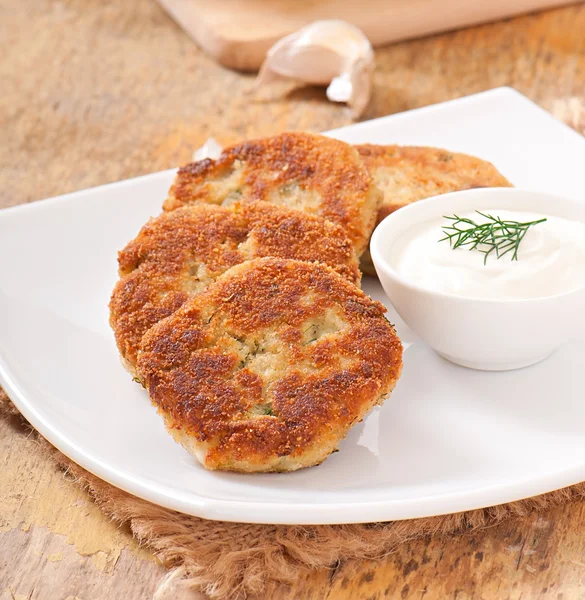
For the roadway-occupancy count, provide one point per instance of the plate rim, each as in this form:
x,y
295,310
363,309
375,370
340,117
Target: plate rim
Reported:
x,y
248,511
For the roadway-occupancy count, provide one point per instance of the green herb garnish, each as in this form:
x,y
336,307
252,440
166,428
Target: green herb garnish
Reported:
x,y
262,409
495,235
138,380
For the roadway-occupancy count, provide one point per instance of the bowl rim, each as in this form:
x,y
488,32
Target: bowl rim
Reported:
x,y
423,207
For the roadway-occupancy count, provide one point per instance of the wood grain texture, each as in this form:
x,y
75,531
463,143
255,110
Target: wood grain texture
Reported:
x,y
54,541
97,91
238,33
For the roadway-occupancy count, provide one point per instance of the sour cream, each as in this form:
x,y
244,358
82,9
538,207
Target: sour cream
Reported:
x,y
551,259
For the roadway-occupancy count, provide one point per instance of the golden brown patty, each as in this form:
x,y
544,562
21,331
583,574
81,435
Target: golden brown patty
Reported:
x,y
268,368
180,253
405,174
309,172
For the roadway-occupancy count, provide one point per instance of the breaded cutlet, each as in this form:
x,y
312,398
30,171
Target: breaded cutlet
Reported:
x,y
312,173
179,253
405,174
270,366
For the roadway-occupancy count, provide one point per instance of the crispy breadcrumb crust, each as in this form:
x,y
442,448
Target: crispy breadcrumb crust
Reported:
x,y
405,174
313,173
179,253
269,367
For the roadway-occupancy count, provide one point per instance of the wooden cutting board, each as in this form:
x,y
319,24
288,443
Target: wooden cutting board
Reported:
x,y
237,33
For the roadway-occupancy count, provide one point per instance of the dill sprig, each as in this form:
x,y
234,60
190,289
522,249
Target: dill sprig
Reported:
x,y
495,235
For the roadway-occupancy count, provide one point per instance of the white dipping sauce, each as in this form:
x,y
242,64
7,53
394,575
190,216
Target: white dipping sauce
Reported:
x,y
551,259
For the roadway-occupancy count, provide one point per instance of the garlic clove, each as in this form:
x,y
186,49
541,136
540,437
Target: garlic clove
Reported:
x,y
362,77
211,149
333,53
340,88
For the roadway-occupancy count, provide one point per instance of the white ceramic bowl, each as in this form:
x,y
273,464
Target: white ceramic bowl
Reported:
x,y
492,335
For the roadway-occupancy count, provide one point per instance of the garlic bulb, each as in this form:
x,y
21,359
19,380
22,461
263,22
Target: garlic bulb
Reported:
x,y
333,53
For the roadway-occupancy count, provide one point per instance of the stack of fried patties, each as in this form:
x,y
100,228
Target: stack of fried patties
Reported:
x,y
238,308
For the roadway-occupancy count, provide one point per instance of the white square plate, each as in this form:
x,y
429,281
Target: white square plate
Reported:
x,y
449,439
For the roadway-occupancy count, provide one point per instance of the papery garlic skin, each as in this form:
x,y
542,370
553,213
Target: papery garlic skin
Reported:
x,y
325,52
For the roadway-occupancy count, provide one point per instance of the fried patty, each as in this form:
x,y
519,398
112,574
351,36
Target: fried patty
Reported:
x,y
179,253
270,366
405,174
312,173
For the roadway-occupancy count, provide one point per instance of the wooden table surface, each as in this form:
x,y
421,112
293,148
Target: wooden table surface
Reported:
x,y
96,91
